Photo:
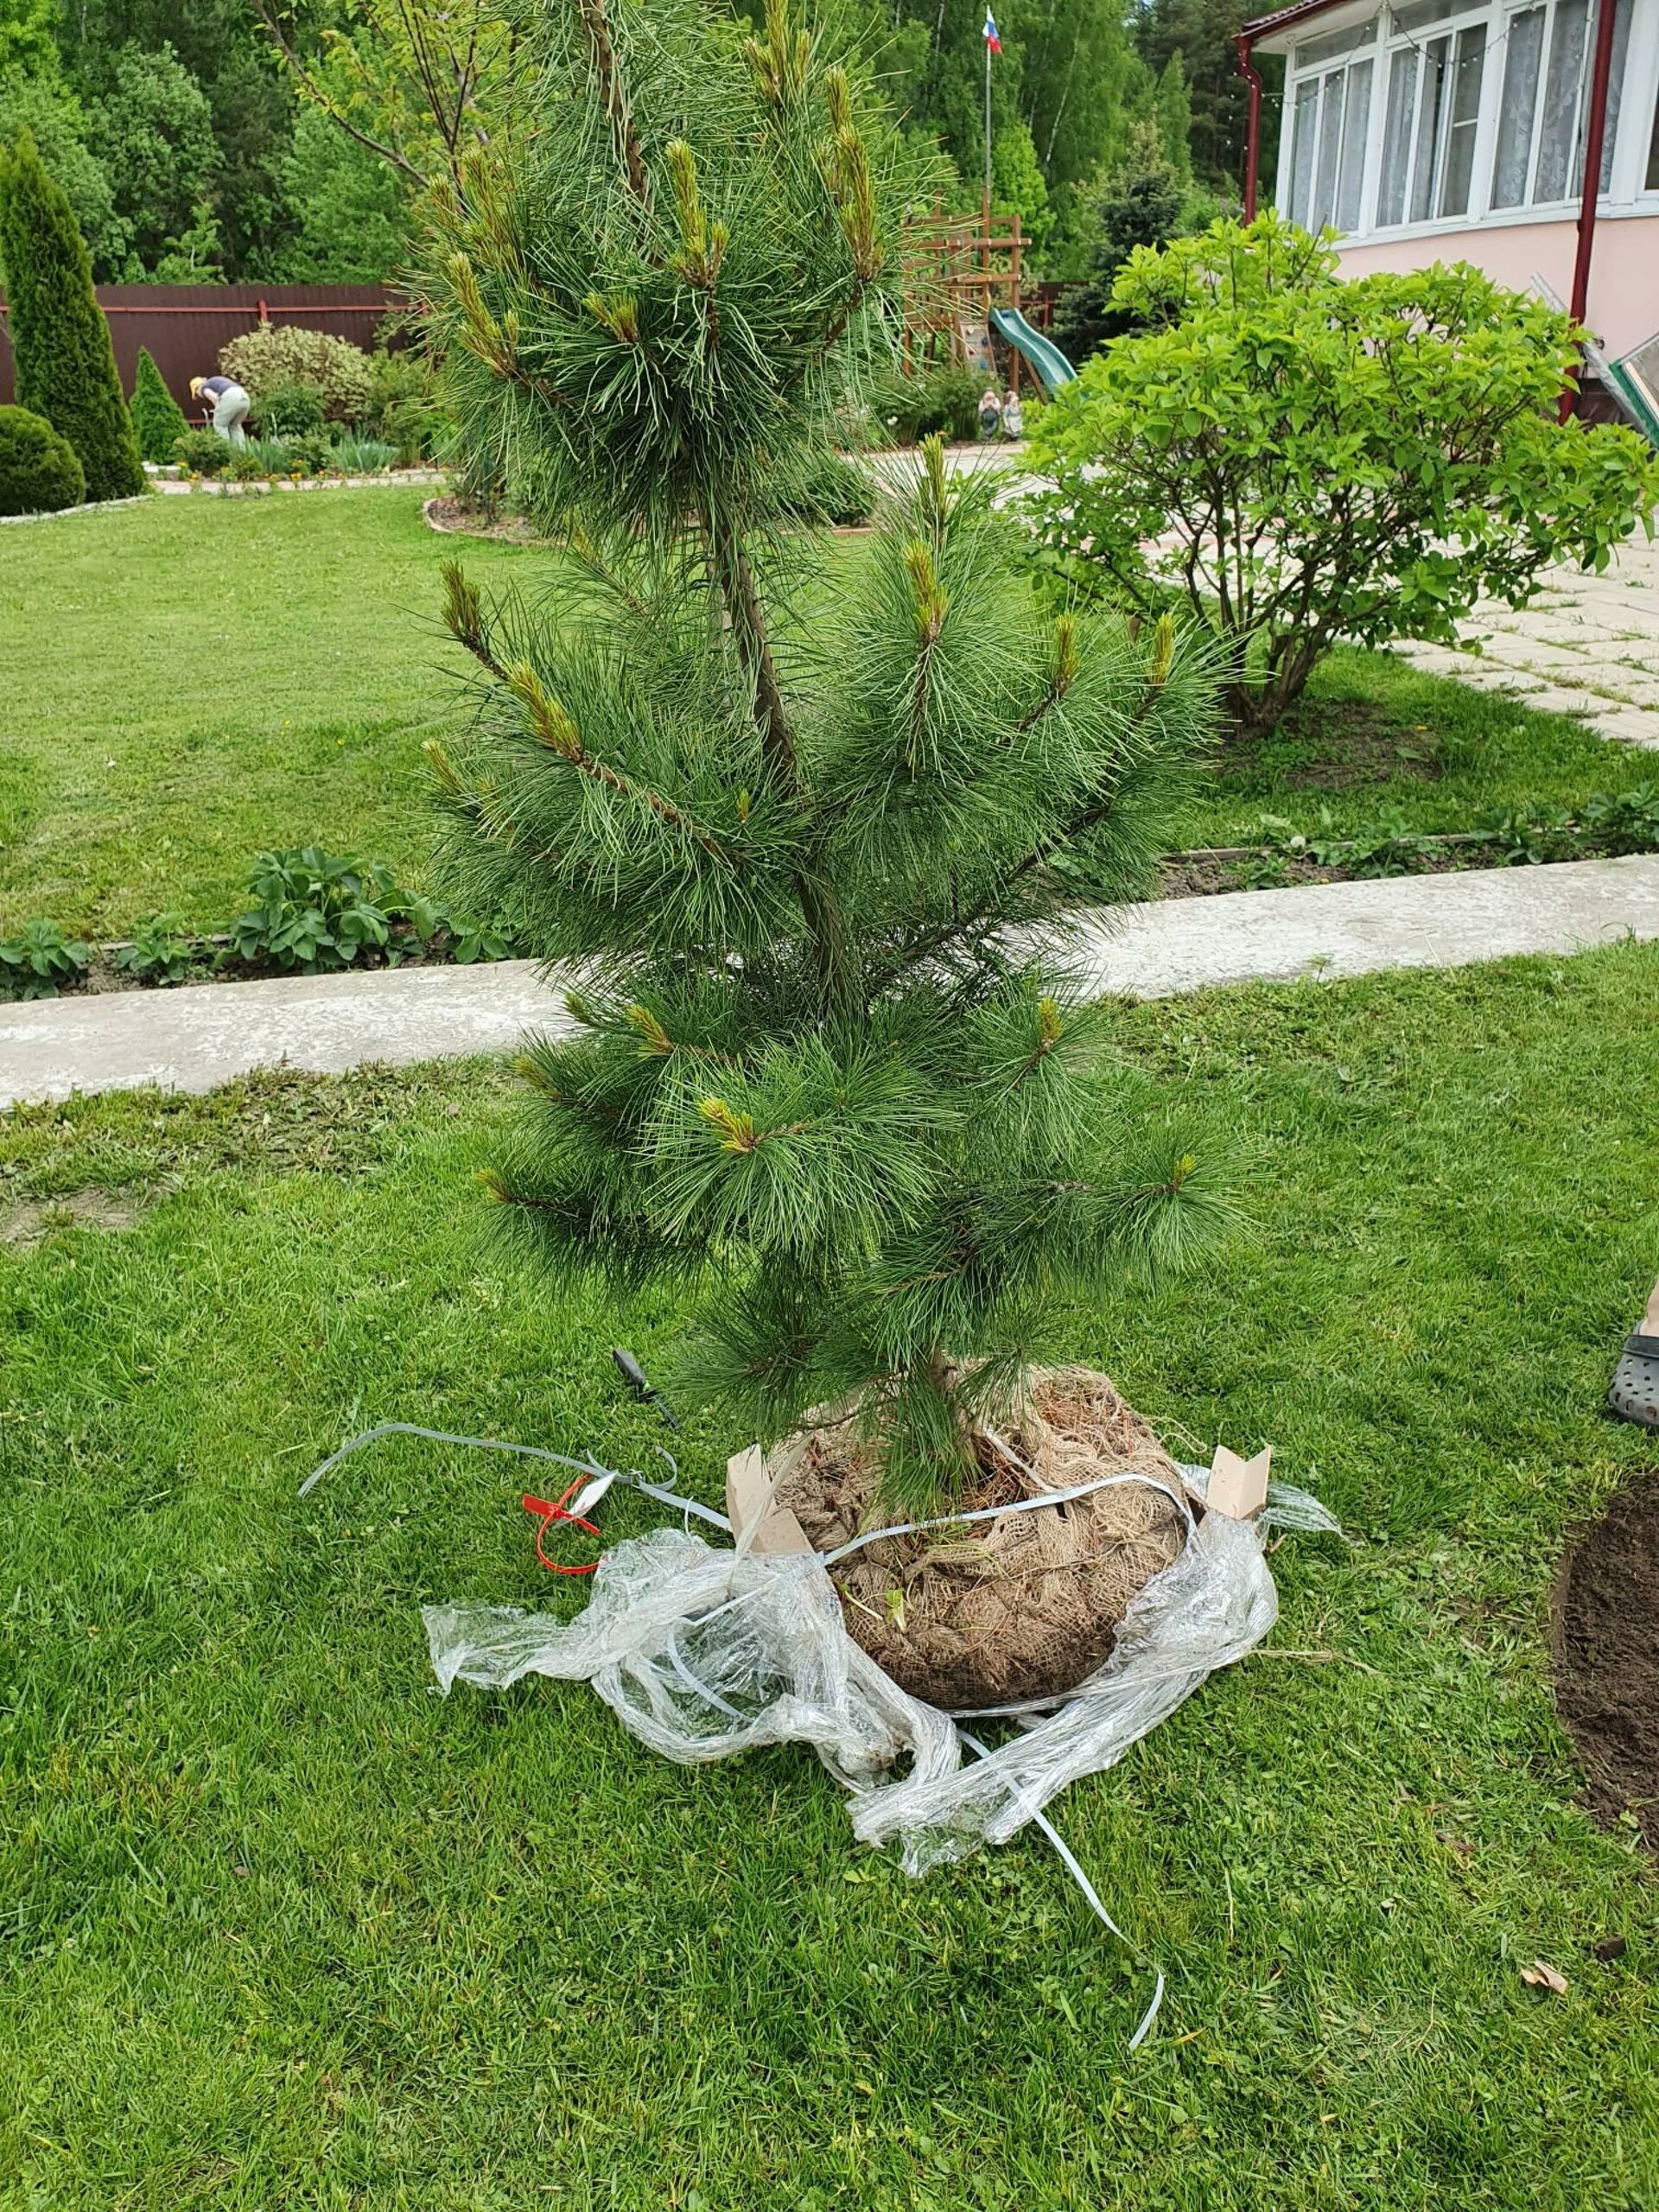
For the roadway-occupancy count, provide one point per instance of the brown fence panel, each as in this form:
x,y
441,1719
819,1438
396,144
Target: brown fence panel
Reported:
x,y
185,325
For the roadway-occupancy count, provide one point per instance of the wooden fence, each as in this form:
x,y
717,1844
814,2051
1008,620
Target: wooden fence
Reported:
x,y
184,325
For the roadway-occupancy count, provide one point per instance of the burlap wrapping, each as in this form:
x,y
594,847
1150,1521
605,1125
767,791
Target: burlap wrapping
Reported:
x,y
1023,1606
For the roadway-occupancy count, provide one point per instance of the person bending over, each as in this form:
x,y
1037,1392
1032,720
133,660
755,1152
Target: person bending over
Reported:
x,y
225,405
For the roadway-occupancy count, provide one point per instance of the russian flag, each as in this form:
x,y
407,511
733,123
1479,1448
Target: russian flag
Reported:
x,y
991,38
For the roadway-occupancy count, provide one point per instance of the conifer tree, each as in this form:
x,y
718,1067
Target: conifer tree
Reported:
x,y
64,363
815,1068
158,418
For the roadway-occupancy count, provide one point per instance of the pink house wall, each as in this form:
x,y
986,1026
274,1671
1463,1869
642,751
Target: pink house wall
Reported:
x,y
1624,307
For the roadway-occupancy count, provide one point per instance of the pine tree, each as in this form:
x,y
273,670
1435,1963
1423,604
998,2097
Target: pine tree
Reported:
x,y
158,418
64,362
816,1070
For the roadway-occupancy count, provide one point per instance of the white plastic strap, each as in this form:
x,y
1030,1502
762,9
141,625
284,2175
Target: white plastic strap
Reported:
x,y
1068,1859
589,1496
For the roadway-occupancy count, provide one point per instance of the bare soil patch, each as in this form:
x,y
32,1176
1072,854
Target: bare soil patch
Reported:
x,y
31,1221
1606,1645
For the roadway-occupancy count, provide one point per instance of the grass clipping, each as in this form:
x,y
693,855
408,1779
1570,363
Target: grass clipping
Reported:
x,y
1024,1606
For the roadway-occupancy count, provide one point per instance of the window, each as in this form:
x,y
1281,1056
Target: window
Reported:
x,y
1540,155
1330,114
1433,106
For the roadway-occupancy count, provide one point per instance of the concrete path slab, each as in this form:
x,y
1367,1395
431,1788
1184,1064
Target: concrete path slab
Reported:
x,y
1587,645
204,1034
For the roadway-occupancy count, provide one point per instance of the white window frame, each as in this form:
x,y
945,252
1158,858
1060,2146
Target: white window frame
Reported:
x,y
1321,73
1627,191
1397,48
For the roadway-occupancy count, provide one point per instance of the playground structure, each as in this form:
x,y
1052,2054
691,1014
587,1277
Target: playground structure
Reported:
x,y
965,287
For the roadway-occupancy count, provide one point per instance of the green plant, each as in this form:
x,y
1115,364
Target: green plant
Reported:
x,y
39,470
1298,459
833,490
276,457
1624,821
158,418
312,912
161,951
244,466
203,453
64,365
355,456
814,1075
1533,833
274,356
292,410
930,402
38,962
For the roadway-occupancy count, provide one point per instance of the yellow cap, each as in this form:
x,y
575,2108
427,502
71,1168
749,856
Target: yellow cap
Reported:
x,y
196,382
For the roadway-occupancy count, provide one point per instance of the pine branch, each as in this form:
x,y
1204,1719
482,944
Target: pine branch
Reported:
x,y
613,95
554,728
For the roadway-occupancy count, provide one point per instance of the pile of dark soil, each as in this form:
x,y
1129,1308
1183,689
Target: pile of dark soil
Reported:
x,y
1606,1640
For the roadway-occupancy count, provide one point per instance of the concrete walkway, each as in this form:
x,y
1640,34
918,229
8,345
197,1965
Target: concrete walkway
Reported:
x,y
205,1034
1588,644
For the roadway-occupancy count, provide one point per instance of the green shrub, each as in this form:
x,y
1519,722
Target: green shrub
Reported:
x,y
202,452
37,964
292,410
158,418
275,354
404,407
64,365
40,471
934,402
1298,459
831,489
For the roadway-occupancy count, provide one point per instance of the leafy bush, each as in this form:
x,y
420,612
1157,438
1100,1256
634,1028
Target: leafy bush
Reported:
x,y
279,354
161,952
65,368
36,964
39,472
202,452
934,402
292,410
404,407
1298,459
832,489
158,418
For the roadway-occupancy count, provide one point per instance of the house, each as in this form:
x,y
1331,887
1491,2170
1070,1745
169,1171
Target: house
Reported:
x,y
1458,129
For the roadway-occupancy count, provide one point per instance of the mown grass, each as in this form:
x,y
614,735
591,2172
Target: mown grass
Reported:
x,y
191,681
284,1927
1375,741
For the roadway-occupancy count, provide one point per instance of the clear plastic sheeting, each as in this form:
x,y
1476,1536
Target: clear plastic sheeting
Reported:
x,y
702,1653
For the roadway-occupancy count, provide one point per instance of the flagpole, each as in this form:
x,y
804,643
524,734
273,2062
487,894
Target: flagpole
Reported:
x,y
985,218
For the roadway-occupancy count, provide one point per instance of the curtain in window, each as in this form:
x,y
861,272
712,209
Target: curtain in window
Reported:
x,y
1521,74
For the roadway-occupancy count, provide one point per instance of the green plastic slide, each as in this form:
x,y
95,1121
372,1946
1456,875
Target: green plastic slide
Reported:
x,y
1052,366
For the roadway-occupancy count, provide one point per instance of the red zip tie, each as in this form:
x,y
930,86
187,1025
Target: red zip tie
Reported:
x,y
547,1515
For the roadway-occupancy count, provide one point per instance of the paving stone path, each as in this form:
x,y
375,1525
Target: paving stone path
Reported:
x,y
192,1038
1588,644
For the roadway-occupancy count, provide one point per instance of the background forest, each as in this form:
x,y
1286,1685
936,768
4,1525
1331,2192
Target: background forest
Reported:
x,y
216,139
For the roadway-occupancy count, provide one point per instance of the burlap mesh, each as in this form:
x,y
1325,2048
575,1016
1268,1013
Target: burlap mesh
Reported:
x,y
1024,1606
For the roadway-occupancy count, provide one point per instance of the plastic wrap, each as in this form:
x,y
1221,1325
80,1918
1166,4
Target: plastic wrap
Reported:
x,y
702,1652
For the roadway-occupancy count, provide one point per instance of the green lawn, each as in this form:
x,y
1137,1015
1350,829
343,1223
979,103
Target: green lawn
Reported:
x,y
285,1928
189,681
1374,739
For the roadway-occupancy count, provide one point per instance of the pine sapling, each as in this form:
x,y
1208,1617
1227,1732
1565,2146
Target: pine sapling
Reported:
x,y
824,1064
